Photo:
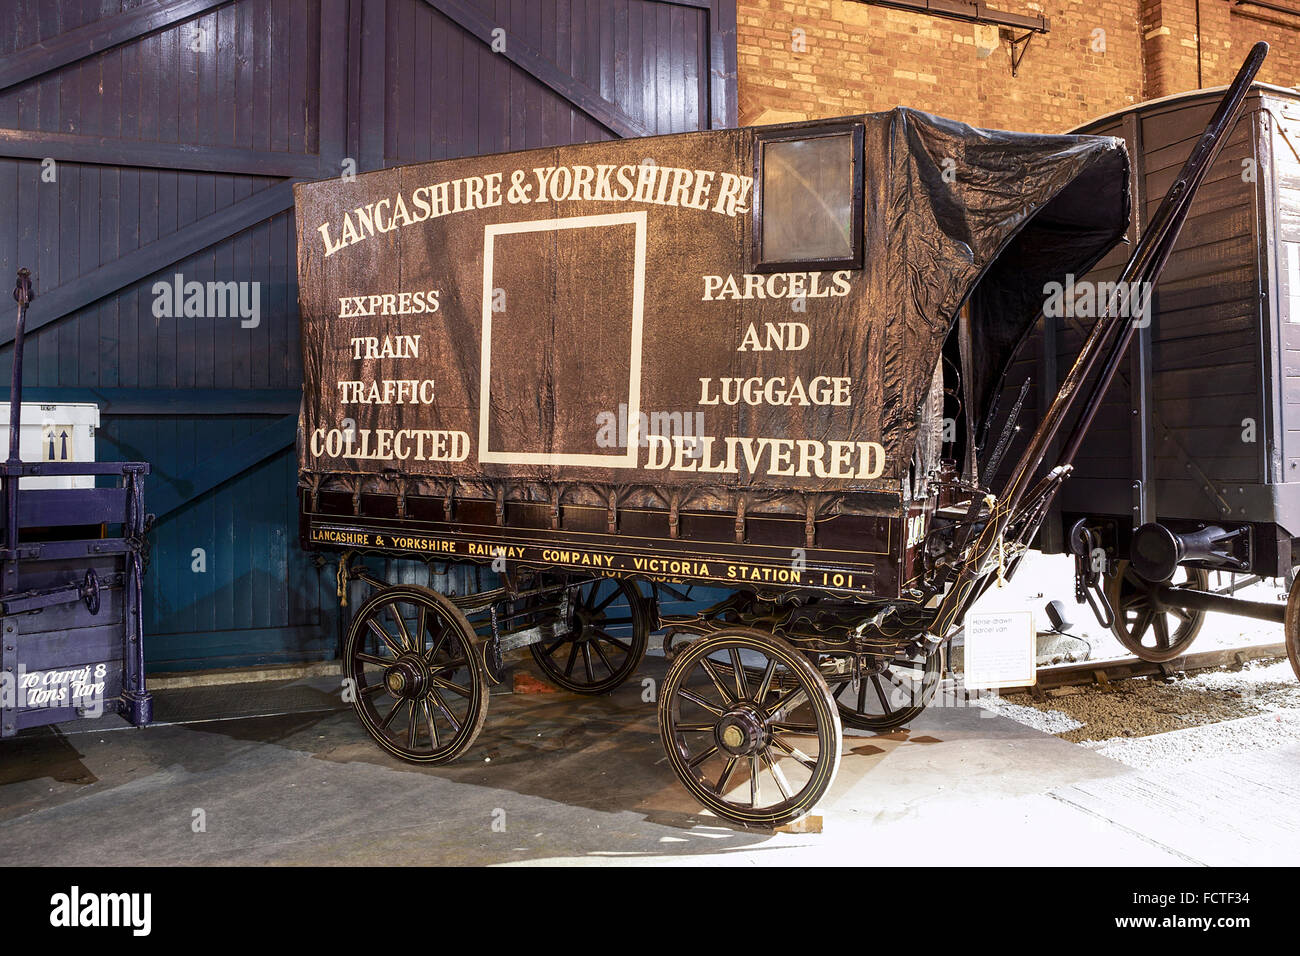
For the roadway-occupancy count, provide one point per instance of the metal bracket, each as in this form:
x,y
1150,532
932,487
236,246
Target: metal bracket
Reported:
x,y
1019,47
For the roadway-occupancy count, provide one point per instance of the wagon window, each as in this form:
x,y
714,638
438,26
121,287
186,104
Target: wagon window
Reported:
x,y
808,203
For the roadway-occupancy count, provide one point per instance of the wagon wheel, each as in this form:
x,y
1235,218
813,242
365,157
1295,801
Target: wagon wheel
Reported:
x,y
890,692
1292,626
602,641
418,683
750,727
1152,633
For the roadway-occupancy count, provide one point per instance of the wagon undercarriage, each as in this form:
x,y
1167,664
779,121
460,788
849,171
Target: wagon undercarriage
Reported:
x,y
750,711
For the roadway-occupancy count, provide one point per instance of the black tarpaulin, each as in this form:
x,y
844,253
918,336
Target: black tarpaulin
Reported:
x,y
565,314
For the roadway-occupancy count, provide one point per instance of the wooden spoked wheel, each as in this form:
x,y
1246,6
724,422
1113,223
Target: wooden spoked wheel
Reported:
x,y
750,727
890,692
1292,625
1152,631
417,681
601,641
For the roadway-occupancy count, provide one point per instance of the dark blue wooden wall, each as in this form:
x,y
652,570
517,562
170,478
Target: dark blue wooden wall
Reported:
x,y
173,130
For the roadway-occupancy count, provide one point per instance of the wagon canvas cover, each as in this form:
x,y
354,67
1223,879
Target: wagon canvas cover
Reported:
x,y
615,325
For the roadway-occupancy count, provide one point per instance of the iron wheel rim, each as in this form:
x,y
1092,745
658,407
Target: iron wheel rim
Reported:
x,y
732,739
1152,633
891,694
586,658
418,684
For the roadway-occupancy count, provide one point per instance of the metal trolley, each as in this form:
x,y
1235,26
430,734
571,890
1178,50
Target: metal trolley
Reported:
x,y
761,683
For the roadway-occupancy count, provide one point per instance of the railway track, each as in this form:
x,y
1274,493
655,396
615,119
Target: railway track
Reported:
x,y
1101,673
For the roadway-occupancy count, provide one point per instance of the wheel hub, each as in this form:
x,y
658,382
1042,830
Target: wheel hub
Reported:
x,y
740,731
407,678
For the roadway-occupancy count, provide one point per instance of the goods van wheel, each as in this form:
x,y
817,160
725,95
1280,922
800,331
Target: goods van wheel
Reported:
x,y
602,641
1292,626
890,692
1152,632
750,727
417,680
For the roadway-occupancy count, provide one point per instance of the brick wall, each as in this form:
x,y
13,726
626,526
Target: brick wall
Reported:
x,y
805,59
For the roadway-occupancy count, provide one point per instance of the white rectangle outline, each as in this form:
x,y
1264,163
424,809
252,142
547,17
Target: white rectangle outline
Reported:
x,y
490,232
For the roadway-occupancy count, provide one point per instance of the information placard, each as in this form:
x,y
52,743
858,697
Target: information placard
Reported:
x,y
1001,649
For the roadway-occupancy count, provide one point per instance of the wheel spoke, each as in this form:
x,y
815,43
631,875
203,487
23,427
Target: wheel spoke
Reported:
x,y
755,790
765,685
372,659
428,719
798,730
448,666
573,659
694,728
446,711
742,685
1162,632
880,693
614,593
451,686
700,701
586,662
794,752
412,727
384,636
788,699
432,653
383,725
595,644
703,756
727,771
711,670
1143,624
395,611
777,773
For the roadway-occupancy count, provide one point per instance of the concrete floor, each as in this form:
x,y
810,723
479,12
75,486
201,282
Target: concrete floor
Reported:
x,y
584,781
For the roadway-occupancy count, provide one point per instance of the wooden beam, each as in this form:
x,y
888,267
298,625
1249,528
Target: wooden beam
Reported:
x,y
161,402
104,34
164,494
333,110
371,93
110,151
723,107
145,261
560,81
